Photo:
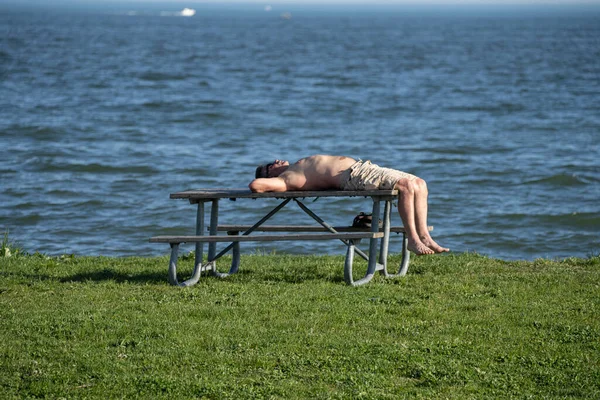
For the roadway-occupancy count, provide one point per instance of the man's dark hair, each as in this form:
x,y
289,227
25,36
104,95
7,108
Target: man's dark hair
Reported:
x,y
259,172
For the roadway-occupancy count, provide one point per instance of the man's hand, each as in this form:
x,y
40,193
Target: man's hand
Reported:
x,y
262,185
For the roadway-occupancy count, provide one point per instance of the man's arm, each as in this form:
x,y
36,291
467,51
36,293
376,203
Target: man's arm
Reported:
x,y
262,185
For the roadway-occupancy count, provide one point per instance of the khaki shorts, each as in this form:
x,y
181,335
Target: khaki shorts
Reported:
x,y
363,175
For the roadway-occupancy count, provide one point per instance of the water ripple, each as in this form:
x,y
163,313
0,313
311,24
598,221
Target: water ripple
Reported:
x,y
559,180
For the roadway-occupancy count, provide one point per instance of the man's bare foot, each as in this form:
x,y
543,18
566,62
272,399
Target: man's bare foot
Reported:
x,y
419,248
429,242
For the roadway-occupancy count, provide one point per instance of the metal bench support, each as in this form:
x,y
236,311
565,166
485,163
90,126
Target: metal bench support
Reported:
x,y
352,238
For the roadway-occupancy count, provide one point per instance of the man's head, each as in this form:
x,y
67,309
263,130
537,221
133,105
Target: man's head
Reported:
x,y
271,169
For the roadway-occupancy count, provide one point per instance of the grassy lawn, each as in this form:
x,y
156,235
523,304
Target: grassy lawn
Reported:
x,y
458,327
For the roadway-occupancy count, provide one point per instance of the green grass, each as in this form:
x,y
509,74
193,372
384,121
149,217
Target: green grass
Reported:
x,y
458,327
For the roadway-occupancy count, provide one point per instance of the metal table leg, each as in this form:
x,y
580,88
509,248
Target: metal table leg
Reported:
x,y
372,265
403,269
212,247
199,231
198,257
383,253
405,257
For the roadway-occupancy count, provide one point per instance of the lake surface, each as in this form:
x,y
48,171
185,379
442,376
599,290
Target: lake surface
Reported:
x,y
103,114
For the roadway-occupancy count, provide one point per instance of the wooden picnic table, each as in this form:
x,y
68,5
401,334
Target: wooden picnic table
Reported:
x,y
350,236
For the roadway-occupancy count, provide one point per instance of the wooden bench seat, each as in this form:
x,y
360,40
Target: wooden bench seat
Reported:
x,y
265,238
301,228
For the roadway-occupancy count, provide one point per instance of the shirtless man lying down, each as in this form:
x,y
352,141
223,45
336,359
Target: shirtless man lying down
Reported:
x,y
325,172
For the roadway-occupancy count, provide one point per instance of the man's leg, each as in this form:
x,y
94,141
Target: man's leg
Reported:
x,y
412,205
406,208
421,194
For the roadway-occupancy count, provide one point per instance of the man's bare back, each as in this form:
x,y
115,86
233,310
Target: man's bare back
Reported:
x,y
319,172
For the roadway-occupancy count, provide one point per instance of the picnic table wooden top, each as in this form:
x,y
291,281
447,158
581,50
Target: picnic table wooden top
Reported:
x,y
218,193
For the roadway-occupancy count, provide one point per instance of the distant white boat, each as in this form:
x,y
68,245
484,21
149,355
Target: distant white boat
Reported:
x,y
188,12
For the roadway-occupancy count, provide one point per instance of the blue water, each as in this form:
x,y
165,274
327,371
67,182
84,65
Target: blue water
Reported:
x,y
103,113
